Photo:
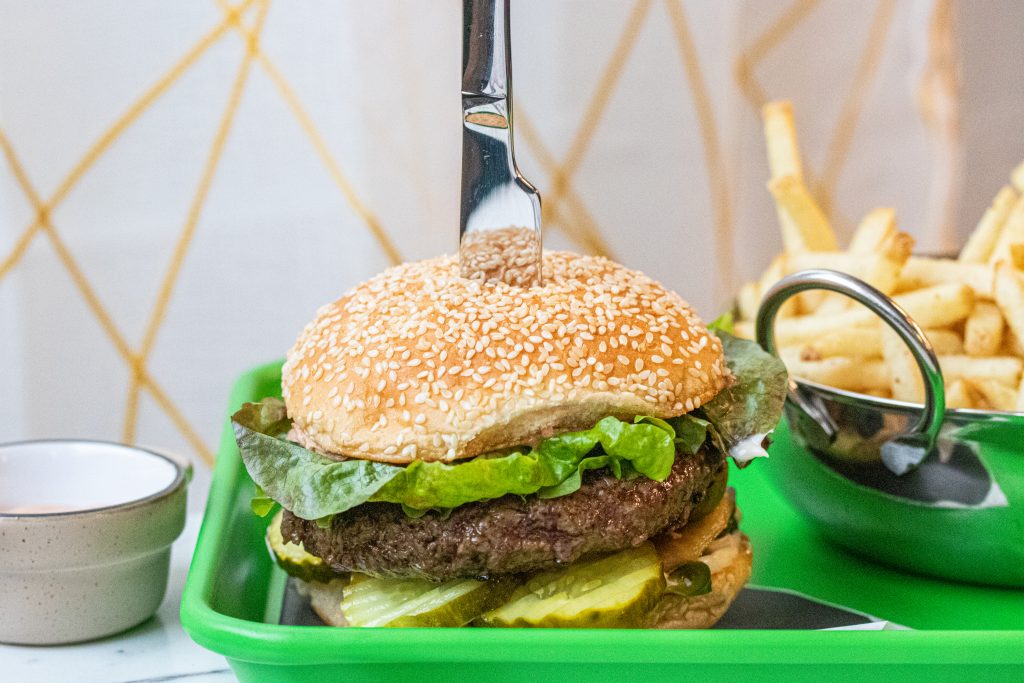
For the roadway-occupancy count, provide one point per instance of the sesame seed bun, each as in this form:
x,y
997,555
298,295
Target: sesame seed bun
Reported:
x,y
418,363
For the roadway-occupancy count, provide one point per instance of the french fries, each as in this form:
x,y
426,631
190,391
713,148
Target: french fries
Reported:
x,y
961,394
1004,369
945,342
878,227
855,343
852,374
904,376
921,271
997,395
1010,298
794,200
982,241
1017,177
1011,233
983,331
971,307
784,160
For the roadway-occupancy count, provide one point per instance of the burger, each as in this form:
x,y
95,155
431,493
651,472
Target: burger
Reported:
x,y
453,452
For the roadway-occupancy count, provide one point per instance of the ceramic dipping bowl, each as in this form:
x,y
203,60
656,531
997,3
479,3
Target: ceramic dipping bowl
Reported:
x,y
85,537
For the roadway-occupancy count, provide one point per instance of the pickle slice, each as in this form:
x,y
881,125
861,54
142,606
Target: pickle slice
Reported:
x,y
616,591
294,559
417,602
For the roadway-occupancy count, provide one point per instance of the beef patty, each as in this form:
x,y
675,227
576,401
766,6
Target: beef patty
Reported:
x,y
511,534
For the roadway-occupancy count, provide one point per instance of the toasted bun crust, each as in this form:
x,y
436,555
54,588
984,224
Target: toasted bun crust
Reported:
x,y
704,611
418,363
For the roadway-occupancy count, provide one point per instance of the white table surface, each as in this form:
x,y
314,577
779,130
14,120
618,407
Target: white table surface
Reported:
x,y
156,650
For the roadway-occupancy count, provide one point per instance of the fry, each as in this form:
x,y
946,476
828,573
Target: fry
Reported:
x,y
1017,256
983,240
961,394
795,201
1011,344
807,328
780,135
922,271
852,374
857,265
997,395
1012,232
1010,298
880,393
983,331
881,270
945,341
783,160
904,375
1017,177
874,229
938,306
1020,397
744,329
856,343
1004,369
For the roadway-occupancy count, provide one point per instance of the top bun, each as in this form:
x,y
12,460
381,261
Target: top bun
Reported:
x,y
418,363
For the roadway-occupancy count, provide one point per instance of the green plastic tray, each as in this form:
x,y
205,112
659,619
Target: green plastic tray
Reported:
x,y
233,597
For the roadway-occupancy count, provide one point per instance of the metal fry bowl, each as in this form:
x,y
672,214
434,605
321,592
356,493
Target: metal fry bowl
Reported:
x,y
916,486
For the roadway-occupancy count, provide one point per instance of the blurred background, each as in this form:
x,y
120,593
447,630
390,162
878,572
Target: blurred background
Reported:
x,y
183,184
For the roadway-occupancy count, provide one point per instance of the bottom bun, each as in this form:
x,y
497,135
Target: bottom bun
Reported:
x,y
704,611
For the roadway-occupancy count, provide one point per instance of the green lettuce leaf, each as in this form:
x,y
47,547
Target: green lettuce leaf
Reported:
x,y
307,483
261,503
313,486
316,487
723,323
753,405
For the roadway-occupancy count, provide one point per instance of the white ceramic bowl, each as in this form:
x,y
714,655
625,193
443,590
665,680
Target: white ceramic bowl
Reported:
x,y
85,537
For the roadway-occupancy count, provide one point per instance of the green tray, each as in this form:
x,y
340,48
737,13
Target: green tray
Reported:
x,y
233,598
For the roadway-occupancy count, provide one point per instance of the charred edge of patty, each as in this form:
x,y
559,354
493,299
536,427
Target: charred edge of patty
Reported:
x,y
511,534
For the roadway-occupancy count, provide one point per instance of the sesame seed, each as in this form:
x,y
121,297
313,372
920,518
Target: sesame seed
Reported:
x,y
418,334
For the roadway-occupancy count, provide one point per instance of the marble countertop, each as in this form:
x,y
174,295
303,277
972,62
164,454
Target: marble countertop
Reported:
x,y
156,650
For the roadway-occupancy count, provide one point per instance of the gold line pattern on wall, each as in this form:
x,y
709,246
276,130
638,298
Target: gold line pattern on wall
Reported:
x,y
111,135
305,121
159,313
576,222
99,311
564,206
853,107
562,175
746,63
718,182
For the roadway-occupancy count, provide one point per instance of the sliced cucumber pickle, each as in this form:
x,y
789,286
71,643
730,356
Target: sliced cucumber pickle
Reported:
x,y
370,601
616,591
294,559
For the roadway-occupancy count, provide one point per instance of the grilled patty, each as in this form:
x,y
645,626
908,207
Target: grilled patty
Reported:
x,y
511,534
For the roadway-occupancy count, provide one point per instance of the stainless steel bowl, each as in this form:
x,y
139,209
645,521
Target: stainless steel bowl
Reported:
x,y
915,485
